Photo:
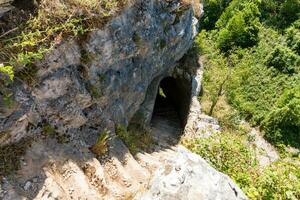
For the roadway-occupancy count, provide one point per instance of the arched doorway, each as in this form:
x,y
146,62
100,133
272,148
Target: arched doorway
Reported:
x,y
170,108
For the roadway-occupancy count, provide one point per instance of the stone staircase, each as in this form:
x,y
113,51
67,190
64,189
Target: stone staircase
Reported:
x,y
53,171
69,171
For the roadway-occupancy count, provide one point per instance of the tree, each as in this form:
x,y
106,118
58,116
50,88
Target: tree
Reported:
x,y
212,11
241,30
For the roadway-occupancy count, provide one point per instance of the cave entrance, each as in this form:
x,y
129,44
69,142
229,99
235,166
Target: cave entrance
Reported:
x,y
170,109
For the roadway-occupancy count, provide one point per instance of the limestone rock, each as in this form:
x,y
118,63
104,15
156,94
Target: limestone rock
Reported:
x,y
105,77
83,88
5,6
186,176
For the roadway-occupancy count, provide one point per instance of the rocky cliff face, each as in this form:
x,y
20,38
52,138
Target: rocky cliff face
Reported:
x,y
84,85
89,86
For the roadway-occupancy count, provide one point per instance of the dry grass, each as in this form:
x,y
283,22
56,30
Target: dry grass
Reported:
x,y
64,9
10,156
52,21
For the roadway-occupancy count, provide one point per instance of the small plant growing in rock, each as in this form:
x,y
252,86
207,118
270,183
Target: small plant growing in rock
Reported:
x,y
137,39
101,146
48,129
6,71
94,91
135,138
10,156
162,44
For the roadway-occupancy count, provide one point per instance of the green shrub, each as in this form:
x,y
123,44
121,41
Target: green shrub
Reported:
x,y
241,30
254,87
293,37
279,14
263,88
6,71
290,11
283,123
281,180
228,153
213,10
283,59
267,7
101,146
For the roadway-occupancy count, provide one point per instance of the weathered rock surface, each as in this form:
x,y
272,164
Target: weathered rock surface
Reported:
x,y
265,152
199,125
107,75
186,176
84,87
5,6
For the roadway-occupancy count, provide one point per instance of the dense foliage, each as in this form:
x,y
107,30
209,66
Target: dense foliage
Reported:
x,y
213,10
283,123
238,27
260,65
250,51
229,153
280,13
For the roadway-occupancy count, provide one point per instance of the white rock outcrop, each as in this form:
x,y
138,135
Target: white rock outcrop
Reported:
x,y
186,176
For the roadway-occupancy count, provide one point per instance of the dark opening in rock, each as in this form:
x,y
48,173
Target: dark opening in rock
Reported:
x,y
172,100
171,107
165,108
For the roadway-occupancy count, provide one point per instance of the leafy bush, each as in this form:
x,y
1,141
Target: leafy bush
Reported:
x,y
293,37
227,153
213,10
281,180
254,87
279,14
217,72
283,59
290,11
241,30
230,154
263,88
233,7
6,71
283,123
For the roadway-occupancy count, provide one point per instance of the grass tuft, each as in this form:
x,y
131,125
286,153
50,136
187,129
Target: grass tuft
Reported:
x,y
101,146
136,139
10,156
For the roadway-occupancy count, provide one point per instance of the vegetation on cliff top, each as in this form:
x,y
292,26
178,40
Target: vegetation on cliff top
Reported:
x,y
32,29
